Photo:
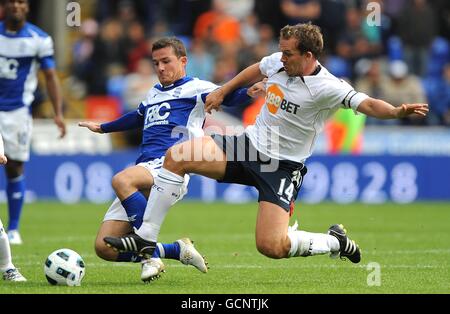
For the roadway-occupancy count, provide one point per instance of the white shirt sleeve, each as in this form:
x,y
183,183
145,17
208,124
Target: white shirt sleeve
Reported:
x,y
2,149
205,86
46,48
271,65
340,93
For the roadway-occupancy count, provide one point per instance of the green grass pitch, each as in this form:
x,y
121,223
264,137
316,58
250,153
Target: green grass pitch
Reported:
x,y
411,243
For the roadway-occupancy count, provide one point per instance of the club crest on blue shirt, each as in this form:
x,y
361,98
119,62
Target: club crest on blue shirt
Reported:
x,y
177,92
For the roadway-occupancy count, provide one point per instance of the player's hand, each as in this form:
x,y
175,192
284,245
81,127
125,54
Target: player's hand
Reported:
x,y
214,100
59,121
3,160
93,126
258,90
408,109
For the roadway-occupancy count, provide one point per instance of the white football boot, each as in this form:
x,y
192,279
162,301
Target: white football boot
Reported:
x,y
14,237
190,256
13,275
152,269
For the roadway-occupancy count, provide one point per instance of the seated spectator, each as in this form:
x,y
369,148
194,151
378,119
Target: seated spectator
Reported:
x,y
240,9
83,49
201,63
301,11
137,45
109,56
223,28
137,84
372,82
226,68
267,43
403,87
371,77
249,30
438,93
355,42
417,29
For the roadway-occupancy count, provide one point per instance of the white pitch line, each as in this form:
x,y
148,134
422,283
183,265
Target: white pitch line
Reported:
x,y
243,266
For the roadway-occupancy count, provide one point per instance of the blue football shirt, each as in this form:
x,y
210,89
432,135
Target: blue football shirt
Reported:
x,y
22,53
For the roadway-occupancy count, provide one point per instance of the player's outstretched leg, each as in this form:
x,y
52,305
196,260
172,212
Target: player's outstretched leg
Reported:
x,y
131,243
348,248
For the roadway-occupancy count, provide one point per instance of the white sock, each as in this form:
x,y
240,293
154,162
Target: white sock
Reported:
x,y
309,244
164,194
5,251
162,252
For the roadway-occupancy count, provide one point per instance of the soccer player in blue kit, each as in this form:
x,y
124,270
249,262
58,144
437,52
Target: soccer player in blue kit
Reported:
x,y
173,111
24,48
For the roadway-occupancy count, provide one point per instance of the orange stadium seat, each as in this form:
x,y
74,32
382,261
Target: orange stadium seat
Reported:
x,y
103,108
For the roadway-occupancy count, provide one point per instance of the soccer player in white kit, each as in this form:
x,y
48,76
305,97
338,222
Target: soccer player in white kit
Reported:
x,y
300,96
7,268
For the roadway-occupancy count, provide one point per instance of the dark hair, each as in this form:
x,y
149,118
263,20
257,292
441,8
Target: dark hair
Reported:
x,y
309,37
175,43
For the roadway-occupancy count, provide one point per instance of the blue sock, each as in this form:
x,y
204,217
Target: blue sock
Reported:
x,y
135,207
168,251
128,257
15,192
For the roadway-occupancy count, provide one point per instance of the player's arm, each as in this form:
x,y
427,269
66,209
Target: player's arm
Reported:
x,y
237,97
54,91
382,110
258,89
250,75
129,121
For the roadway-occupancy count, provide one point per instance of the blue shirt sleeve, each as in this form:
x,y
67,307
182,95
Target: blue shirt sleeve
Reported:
x,y
237,97
47,63
130,121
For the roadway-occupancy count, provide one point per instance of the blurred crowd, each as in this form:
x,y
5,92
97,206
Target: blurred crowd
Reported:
x,y
401,55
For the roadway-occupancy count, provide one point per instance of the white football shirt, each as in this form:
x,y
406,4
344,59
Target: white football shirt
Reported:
x,y
296,110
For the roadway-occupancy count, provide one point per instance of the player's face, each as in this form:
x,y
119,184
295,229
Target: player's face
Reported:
x,y
168,66
16,10
293,61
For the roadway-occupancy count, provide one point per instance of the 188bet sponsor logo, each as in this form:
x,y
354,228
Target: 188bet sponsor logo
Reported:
x,y
275,100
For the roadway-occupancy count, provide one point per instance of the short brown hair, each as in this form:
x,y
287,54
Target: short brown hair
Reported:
x,y
175,43
309,37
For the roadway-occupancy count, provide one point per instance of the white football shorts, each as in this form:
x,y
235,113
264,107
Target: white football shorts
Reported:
x,y
16,127
117,212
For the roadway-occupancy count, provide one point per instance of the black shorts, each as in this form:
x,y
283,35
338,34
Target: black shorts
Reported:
x,y
277,181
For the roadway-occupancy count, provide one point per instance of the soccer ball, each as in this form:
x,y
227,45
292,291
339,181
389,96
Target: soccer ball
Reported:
x,y
64,267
